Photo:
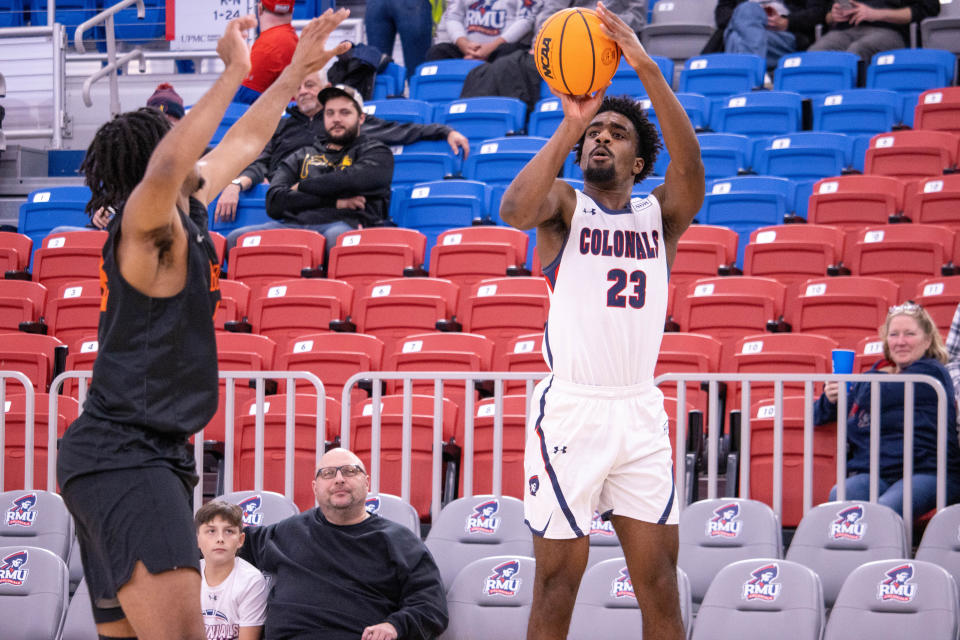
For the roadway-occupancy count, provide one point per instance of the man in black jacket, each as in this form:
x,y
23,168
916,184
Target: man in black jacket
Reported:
x,y
769,28
341,573
336,184
304,127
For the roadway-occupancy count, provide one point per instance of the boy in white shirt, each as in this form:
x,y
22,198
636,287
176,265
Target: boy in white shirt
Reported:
x,y
233,593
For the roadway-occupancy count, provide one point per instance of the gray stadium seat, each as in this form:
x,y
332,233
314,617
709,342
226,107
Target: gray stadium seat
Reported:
x,y
897,598
604,543
714,533
34,588
476,527
394,508
490,598
941,542
38,519
607,608
835,538
261,508
762,598
678,29
80,624
943,30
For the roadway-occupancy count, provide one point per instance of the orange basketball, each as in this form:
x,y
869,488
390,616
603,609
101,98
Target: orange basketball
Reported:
x,y
573,55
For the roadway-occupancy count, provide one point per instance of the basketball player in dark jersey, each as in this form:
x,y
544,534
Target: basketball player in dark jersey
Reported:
x,y
125,466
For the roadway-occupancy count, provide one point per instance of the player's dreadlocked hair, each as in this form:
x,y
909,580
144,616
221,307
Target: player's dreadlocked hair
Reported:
x,y
117,158
648,141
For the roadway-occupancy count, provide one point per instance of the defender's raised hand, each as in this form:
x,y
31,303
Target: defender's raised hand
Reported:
x,y
620,32
232,46
311,53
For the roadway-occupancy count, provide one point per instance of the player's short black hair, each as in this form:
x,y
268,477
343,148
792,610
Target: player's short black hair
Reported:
x,y
648,140
118,155
229,512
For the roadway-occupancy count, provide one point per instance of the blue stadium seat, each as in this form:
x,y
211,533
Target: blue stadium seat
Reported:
x,y
759,113
391,82
813,73
251,209
718,75
626,82
11,13
545,118
571,169
724,154
411,168
131,29
647,185
484,118
856,111
400,110
304,9
49,208
433,207
746,203
910,72
440,81
804,157
499,160
69,13
695,105
235,111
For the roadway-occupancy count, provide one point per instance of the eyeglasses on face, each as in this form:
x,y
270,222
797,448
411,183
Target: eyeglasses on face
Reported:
x,y
346,470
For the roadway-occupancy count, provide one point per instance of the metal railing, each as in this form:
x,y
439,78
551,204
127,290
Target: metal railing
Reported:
x,y
114,64
56,45
29,413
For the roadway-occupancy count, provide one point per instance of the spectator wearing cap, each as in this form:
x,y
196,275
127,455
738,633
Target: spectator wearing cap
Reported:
x,y
272,50
304,127
334,185
166,99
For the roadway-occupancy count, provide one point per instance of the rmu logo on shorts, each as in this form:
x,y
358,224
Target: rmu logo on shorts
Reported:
x,y
218,626
251,511
761,585
13,568
622,586
601,527
848,525
533,483
372,504
22,513
483,519
897,585
504,581
725,522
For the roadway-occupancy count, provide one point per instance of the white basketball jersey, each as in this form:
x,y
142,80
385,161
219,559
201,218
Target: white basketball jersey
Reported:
x,y
608,295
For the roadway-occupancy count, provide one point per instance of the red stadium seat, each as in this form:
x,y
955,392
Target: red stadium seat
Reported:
x,y
730,308
670,407
262,257
513,482
14,446
780,353
938,109
80,357
306,452
68,257
290,308
439,351
912,155
867,352
688,353
845,309
523,353
395,308
391,430
238,352
904,253
234,301
853,202
20,301
940,297
701,251
75,311
364,256
30,354
219,245
935,201
504,308
761,457
15,251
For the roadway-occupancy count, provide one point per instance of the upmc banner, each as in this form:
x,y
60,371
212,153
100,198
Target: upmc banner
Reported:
x,y
198,24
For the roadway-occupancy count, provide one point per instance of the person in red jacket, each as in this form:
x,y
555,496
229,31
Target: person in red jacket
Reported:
x,y
272,50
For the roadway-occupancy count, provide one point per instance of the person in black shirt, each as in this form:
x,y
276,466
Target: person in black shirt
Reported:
x,y
125,465
341,573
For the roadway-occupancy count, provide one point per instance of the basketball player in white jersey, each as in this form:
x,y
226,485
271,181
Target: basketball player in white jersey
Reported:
x,y
598,437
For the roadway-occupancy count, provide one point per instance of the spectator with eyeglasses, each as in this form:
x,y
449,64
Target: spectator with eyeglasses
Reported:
x,y
911,344
341,572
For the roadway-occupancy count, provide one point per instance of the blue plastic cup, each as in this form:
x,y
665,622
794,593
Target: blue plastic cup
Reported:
x,y
843,363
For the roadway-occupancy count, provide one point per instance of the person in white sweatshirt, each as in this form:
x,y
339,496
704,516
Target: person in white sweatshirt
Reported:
x,y
485,29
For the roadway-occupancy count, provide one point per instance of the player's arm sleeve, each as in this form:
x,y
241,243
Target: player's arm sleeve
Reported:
x,y
423,602
252,605
370,173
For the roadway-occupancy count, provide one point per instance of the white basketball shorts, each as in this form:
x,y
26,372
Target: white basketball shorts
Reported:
x,y
596,448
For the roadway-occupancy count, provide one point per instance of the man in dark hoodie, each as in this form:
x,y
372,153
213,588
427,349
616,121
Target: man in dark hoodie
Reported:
x,y
769,28
304,126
